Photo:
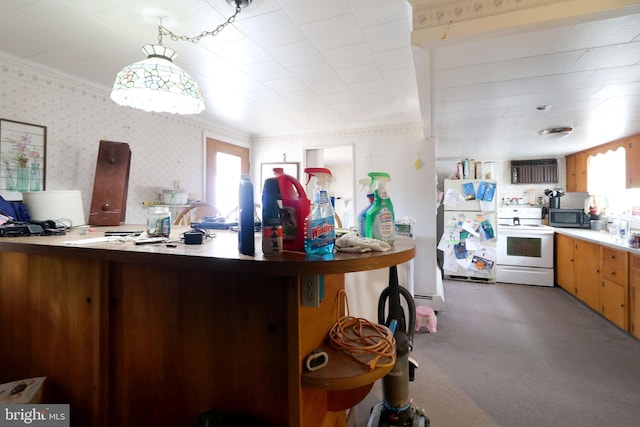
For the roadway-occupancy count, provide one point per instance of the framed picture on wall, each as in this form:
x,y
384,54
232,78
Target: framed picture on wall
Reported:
x,y
290,168
23,149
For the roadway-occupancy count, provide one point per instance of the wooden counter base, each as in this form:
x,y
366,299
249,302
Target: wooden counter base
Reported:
x,y
158,343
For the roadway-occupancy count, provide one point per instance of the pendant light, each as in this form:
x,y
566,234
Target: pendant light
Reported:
x,y
156,84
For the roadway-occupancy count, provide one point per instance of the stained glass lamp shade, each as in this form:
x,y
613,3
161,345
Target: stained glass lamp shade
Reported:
x,y
157,84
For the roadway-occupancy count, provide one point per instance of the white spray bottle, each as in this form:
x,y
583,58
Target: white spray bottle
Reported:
x,y
362,216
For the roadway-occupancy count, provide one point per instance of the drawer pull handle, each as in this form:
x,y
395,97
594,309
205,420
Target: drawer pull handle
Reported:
x,y
613,273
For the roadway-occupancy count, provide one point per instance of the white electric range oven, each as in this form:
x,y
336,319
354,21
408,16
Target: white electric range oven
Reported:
x,y
525,247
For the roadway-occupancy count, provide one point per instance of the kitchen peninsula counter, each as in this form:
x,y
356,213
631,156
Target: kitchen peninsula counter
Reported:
x,y
154,335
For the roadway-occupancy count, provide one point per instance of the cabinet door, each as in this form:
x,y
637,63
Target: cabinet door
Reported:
x,y
632,157
613,305
587,273
571,173
614,266
581,172
565,263
634,296
613,297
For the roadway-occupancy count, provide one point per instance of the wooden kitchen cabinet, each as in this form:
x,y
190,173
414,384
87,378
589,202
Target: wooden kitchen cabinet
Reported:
x,y
571,173
565,263
605,279
578,269
632,158
614,290
576,166
587,273
581,172
634,295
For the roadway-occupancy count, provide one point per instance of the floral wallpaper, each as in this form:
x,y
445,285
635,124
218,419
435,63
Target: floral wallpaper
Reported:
x,y
77,116
22,151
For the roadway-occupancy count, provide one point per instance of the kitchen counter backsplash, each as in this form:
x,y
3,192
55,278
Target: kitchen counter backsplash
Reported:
x,y
573,200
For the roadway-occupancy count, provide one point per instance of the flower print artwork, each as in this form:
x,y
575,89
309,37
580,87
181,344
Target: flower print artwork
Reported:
x,y
22,156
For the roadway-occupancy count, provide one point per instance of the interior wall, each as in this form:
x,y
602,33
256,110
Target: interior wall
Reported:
x,y
78,115
166,148
412,190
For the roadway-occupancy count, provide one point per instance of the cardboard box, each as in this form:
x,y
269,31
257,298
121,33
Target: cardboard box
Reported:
x,y
22,391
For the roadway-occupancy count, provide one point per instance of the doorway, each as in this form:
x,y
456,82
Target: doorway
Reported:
x,y
339,160
224,165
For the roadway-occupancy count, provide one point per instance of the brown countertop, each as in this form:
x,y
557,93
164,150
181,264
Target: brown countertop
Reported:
x,y
220,252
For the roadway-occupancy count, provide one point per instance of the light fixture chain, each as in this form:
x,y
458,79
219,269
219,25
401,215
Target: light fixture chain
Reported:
x,y
196,39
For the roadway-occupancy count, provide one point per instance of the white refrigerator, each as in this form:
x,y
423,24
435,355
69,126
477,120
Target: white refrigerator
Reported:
x,y
470,230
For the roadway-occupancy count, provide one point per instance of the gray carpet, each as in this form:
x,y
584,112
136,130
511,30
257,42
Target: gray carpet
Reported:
x,y
513,355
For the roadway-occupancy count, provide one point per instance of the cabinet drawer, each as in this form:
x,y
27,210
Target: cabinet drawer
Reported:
x,y
614,273
614,257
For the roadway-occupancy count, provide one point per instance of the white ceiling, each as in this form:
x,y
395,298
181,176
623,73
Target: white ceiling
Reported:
x,y
298,66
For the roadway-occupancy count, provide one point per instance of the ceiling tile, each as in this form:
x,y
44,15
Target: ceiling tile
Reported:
x,y
259,7
392,35
269,30
349,56
364,73
269,70
295,54
301,96
395,58
333,32
376,12
323,87
400,76
627,74
368,88
305,11
313,72
613,91
599,34
608,57
240,52
283,86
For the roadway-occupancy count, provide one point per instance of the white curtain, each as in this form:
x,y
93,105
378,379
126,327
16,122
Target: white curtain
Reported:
x,y
606,177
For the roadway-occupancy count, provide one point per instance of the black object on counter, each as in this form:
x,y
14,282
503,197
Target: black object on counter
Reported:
x,y
246,233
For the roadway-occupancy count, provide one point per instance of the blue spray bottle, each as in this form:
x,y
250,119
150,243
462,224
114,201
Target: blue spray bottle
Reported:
x,y
319,226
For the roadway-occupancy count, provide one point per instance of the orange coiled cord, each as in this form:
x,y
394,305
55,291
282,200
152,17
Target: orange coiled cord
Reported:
x,y
369,343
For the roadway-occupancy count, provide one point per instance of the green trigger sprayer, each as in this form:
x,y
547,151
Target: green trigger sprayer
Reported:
x,y
380,221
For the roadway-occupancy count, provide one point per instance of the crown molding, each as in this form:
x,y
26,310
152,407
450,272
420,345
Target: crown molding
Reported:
x,y
428,14
343,134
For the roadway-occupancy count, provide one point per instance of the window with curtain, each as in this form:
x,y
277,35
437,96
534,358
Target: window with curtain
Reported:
x,y
606,177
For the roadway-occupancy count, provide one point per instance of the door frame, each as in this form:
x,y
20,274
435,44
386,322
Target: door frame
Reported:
x,y
212,147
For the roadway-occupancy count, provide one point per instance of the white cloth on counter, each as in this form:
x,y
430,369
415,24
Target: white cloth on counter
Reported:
x,y
351,242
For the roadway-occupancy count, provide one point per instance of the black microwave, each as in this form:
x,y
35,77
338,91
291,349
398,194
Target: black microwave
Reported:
x,y
570,218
